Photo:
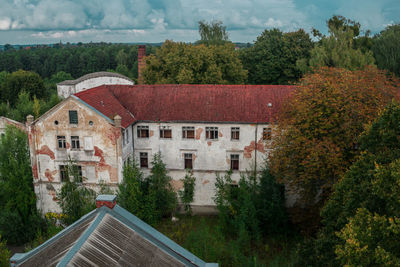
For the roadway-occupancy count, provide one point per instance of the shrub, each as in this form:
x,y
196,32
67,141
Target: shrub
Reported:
x,y
4,254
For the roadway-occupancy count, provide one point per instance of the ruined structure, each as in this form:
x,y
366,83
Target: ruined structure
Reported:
x,y
6,121
70,87
207,128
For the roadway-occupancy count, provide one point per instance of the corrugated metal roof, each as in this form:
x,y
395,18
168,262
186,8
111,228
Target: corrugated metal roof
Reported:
x,y
94,75
183,102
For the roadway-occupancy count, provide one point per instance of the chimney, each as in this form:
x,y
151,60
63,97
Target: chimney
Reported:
x,y
106,200
117,121
29,119
141,62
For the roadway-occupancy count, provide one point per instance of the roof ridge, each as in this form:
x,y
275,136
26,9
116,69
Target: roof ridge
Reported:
x,y
121,103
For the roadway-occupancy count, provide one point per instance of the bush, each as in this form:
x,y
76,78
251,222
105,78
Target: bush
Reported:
x,y
4,254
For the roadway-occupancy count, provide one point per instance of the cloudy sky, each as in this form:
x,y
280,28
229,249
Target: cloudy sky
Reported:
x,y
49,21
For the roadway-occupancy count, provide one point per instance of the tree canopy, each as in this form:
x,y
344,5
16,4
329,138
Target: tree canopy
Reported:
x,y
194,64
212,33
320,124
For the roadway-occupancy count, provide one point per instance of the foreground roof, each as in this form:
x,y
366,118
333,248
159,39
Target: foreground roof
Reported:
x,y
108,236
188,102
92,76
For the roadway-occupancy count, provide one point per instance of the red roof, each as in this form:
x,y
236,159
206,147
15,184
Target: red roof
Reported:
x,y
183,102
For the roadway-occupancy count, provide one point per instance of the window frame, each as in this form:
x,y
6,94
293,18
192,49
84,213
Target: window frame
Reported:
x,y
212,132
163,130
235,162
234,131
185,130
61,142
63,173
73,117
141,156
267,133
75,143
188,161
142,128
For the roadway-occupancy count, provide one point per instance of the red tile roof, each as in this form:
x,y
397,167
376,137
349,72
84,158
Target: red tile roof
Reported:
x,y
182,102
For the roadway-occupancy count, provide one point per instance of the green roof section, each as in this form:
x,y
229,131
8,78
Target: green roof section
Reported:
x,y
109,237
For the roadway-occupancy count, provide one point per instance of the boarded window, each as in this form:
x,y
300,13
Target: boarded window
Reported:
x,y
235,133
267,133
188,160
144,160
234,162
73,117
165,132
90,172
61,142
88,140
188,132
212,133
75,142
143,131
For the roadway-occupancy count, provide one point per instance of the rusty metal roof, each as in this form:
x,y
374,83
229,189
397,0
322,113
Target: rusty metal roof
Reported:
x,y
188,102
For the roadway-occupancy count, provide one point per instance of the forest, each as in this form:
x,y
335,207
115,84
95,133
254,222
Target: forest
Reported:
x,y
336,146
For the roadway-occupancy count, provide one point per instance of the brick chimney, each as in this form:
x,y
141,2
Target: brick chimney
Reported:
x,y
106,200
141,62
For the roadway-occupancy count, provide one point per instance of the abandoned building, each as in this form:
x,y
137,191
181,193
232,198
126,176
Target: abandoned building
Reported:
x,y
108,236
207,128
6,121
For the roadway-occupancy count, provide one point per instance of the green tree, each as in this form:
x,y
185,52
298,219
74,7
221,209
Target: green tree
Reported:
x,y
272,59
19,219
213,33
318,131
187,194
4,254
74,198
188,64
387,50
338,49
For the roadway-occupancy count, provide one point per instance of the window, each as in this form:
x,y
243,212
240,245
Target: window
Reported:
x,y
127,136
212,133
144,161
235,133
188,160
188,132
88,143
165,132
61,142
77,173
75,142
234,162
63,173
143,131
73,117
267,133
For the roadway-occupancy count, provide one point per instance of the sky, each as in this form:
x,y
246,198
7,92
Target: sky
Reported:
x,y
127,21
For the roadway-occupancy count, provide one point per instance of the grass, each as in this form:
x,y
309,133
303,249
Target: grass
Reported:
x,y
201,236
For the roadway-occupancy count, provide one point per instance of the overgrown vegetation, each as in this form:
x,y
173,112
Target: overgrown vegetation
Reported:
x,y
4,254
187,194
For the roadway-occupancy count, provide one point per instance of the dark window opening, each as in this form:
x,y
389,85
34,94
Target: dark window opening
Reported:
x,y
143,131
267,133
62,144
235,133
165,132
75,142
64,173
188,161
73,117
188,132
144,162
212,133
234,162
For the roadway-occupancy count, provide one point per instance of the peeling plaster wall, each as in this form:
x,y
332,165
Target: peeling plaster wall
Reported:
x,y
67,90
103,162
210,156
5,121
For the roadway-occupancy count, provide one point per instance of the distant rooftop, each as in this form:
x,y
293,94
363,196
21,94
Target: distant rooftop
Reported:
x,y
94,75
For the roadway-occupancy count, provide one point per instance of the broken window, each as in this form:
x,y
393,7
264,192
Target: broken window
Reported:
x,y
165,132
63,173
188,160
188,132
267,133
77,173
212,133
144,160
73,117
62,144
75,142
235,133
143,131
234,162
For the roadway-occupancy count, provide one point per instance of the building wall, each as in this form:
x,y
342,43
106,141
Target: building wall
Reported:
x,y
101,161
6,121
210,156
67,90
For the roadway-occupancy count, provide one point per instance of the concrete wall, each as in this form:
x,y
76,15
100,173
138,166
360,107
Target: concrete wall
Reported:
x,y
210,156
6,121
67,90
102,162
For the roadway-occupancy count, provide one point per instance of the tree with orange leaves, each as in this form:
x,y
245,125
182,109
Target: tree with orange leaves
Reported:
x,y
320,124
